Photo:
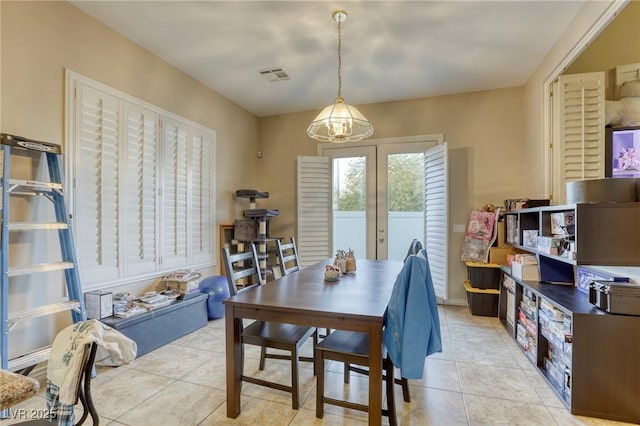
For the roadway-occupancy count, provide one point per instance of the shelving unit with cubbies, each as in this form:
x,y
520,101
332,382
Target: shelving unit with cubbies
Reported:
x,y
586,355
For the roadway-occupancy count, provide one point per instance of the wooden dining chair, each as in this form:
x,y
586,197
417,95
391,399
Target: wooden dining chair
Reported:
x,y
414,248
286,337
351,347
288,257
289,262
63,414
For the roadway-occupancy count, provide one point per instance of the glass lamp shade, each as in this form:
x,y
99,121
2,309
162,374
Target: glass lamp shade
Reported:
x,y
339,123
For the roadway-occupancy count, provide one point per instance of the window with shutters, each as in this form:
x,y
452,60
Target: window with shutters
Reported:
x,y
142,193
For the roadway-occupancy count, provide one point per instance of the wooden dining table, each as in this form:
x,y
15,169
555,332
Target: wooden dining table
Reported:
x,y
356,302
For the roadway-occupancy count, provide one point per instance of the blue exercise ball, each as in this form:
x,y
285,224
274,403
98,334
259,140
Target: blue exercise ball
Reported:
x,y
217,288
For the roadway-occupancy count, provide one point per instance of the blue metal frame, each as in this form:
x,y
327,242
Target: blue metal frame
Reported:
x,y
67,247
4,257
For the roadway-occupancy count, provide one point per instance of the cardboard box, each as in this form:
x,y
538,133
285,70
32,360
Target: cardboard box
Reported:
x,y
525,272
98,304
498,255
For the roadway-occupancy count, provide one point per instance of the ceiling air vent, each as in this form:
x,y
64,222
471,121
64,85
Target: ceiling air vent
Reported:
x,y
274,74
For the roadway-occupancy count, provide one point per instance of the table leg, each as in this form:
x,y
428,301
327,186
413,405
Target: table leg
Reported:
x,y
375,374
234,360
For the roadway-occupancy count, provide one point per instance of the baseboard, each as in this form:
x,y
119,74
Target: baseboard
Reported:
x,y
453,302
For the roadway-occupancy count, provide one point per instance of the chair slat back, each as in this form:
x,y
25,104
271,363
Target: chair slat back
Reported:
x,y
414,248
291,258
239,266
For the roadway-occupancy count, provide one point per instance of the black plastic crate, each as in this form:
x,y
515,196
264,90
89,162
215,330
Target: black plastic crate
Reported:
x,y
483,275
482,302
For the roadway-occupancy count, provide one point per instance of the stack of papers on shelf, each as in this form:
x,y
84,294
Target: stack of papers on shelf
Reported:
x,y
153,300
132,311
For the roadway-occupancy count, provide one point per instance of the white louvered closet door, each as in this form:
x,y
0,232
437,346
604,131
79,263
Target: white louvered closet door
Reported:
x,y
96,225
202,187
140,190
314,209
174,194
580,145
436,216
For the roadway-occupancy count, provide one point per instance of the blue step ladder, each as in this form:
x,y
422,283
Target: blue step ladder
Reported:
x,y
53,191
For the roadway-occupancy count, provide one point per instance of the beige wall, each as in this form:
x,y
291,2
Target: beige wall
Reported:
x,y
618,44
484,132
39,40
569,46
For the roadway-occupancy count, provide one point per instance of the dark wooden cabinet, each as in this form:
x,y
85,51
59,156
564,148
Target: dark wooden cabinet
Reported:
x,y
589,357
603,375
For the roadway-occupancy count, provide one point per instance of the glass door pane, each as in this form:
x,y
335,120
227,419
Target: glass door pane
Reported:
x,y
401,188
405,202
354,199
349,204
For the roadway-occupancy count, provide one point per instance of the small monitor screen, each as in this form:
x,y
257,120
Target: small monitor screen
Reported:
x,y
625,153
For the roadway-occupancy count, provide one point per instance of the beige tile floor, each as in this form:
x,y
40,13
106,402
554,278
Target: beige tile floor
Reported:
x,y
480,378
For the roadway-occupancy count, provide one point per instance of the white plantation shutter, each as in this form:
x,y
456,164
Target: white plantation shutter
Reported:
x,y
314,209
436,214
143,199
200,216
140,190
581,126
174,194
97,126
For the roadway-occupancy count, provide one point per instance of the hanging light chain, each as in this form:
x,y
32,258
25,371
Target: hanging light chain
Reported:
x,y
339,57
339,122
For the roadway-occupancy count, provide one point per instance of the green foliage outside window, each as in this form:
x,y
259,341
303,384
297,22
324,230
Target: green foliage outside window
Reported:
x,y
406,184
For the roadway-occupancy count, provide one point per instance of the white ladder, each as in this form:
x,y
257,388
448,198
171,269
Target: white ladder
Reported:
x,y
53,191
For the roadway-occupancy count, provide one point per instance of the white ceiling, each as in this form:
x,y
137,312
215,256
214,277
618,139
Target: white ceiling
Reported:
x,y
391,50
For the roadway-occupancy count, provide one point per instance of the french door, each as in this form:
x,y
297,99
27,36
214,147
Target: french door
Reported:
x,y
378,197
374,197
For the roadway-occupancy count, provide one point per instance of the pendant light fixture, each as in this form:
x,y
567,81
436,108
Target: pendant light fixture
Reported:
x,y
340,122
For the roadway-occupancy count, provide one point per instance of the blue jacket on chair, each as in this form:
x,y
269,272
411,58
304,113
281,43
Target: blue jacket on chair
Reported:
x,y
412,327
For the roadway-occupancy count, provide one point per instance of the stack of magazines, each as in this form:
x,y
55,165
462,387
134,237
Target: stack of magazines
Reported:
x,y
131,311
153,300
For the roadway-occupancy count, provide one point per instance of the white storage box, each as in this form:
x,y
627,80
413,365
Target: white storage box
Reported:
x,y
99,304
525,272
